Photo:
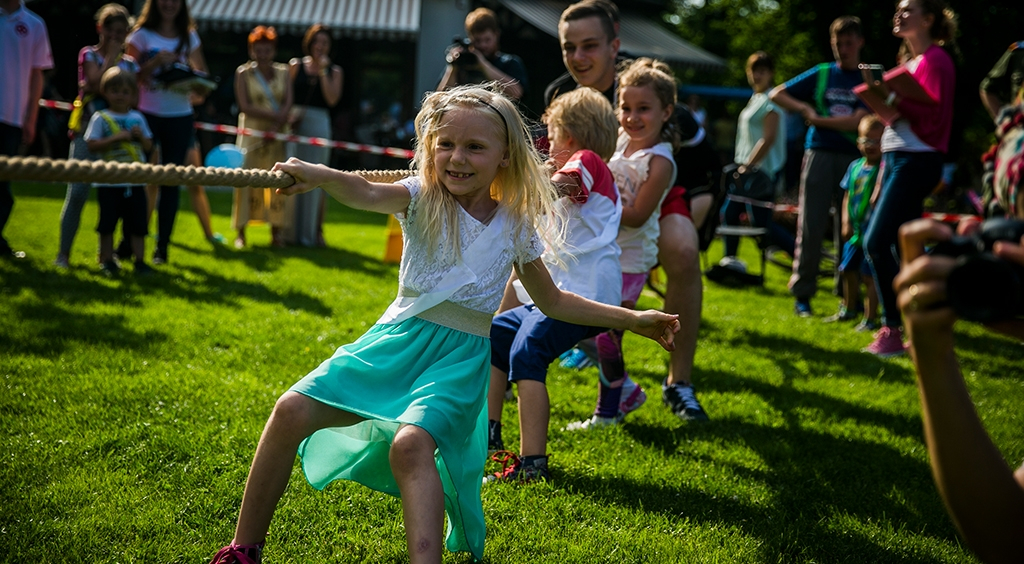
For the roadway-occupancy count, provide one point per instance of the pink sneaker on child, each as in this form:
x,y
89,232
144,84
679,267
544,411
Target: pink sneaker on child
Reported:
x,y
633,396
888,343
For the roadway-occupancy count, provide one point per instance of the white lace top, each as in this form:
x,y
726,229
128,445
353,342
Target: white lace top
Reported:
x,y
420,271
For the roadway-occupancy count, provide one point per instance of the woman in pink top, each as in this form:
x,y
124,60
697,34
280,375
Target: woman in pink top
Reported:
x,y
912,149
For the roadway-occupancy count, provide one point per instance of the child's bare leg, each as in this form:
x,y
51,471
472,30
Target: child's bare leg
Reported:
x,y
295,417
534,412
871,297
412,463
106,247
496,394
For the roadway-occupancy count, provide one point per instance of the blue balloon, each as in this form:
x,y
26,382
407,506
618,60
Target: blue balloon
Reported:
x,y
224,155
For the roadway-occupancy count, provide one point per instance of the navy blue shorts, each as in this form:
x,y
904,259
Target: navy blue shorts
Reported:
x,y
524,342
853,259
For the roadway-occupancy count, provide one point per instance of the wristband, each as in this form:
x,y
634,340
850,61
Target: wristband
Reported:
x,y
890,100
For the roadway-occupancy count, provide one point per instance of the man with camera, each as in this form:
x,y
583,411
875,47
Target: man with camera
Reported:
x,y
983,495
477,59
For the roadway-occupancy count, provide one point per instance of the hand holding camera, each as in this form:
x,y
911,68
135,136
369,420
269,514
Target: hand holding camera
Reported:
x,y
978,277
459,54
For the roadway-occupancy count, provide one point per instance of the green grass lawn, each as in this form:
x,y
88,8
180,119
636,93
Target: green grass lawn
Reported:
x,y
132,407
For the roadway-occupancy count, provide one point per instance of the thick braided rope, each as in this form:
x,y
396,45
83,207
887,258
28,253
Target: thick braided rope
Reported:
x,y
107,172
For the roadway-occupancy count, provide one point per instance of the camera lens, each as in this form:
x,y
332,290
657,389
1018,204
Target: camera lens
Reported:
x,y
984,288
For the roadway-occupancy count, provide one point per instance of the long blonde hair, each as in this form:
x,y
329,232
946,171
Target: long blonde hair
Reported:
x,y
523,187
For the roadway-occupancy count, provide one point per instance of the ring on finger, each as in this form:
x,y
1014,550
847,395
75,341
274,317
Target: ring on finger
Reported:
x,y
913,289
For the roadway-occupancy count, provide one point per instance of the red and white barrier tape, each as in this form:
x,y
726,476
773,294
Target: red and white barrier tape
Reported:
x,y
245,131
56,105
789,208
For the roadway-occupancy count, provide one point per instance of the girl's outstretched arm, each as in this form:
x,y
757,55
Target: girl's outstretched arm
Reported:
x,y
571,308
350,189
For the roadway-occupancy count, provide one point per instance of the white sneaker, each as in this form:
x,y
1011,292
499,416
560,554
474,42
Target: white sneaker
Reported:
x,y
594,422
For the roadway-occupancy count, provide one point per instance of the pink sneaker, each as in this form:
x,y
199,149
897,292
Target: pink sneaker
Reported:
x,y
888,342
633,396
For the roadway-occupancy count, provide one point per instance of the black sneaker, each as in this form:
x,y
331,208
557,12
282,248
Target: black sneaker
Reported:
x,y
110,268
682,400
143,269
514,469
494,442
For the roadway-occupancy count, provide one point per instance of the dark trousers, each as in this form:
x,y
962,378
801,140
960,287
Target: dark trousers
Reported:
x,y
10,140
127,204
907,179
174,135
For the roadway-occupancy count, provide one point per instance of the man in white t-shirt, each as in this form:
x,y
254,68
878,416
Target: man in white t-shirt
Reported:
x,y
24,55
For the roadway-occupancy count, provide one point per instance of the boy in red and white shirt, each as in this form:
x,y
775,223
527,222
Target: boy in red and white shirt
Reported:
x,y
582,130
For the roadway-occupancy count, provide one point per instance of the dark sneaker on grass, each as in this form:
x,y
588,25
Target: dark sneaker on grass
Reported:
x,y
515,469
494,442
110,268
842,315
682,400
803,308
866,325
143,269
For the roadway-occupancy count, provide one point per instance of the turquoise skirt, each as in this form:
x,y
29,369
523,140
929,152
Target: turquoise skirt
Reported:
x,y
418,373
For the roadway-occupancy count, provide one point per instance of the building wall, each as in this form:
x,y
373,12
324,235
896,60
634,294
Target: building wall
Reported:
x,y
440,21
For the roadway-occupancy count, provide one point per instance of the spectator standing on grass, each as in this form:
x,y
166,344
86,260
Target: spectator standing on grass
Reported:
x,y
860,185
823,95
589,39
120,134
913,148
112,21
482,60
165,35
24,55
264,96
317,86
524,341
760,145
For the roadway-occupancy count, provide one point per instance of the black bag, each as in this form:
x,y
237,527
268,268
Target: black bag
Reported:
x,y
752,184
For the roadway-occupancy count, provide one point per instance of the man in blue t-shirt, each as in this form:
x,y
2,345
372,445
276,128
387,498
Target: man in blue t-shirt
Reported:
x,y
823,96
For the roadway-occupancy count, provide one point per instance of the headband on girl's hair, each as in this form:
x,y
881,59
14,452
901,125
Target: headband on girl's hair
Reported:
x,y
508,133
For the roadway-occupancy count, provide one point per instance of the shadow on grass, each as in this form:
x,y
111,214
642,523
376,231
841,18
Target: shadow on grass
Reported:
x,y
849,478
46,330
795,356
269,259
